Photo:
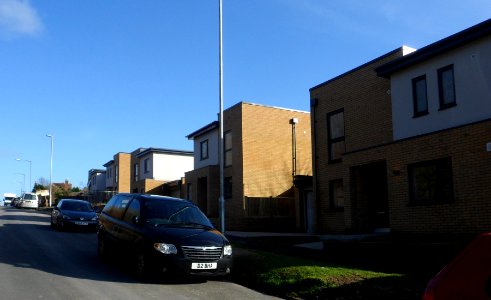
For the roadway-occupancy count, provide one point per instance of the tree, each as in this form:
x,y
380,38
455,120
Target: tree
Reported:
x,y
38,187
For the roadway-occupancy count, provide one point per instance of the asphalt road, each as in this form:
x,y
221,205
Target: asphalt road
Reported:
x,y
37,262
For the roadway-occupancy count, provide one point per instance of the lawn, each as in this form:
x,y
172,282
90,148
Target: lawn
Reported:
x,y
339,277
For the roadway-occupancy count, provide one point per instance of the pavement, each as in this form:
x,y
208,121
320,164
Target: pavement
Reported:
x,y
299,240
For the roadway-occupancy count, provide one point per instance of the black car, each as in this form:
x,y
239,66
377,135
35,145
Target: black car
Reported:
x,y
74,213
162,234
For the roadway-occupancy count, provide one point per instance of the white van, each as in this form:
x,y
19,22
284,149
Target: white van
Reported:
x,y
29,200
7,198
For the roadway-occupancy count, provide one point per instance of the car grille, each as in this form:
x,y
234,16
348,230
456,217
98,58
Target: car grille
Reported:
x,y
198,253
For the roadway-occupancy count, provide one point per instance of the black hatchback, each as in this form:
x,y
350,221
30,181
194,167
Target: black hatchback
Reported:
x,y
74,213
162,234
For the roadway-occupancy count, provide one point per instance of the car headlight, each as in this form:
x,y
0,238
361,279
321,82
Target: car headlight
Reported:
x,y
165,248
227,250
94,218
66,217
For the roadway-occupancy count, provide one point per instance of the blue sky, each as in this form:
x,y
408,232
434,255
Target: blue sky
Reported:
x,y
115,75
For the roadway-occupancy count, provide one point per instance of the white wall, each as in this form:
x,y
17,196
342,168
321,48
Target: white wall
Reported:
x,y
472,71
165,167
212,138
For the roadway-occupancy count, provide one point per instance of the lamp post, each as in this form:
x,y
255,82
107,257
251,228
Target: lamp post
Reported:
x,y
24,181
221,200
51,169
30,172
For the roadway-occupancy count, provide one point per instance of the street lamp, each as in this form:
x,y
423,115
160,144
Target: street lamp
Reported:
x,y
30,172
24,182
51,169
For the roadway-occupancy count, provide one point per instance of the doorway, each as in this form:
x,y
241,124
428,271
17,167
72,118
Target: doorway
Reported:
x,y
370,204
202,196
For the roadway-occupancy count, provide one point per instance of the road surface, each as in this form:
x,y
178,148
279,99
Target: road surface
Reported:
x,y
37,262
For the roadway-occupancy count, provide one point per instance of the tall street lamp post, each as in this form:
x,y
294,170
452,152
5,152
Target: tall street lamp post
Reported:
x,y
24,181
51,170
30,172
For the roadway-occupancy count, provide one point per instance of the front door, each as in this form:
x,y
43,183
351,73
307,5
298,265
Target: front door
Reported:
x,y
370,200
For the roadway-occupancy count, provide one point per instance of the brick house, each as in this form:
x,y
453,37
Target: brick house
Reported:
x,y
146,170
400,142
259,167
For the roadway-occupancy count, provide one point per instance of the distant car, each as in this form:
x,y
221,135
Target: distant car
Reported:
x,y
15,202
74,213
29,200
162,235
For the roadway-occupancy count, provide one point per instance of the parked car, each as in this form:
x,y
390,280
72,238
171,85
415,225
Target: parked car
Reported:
x,y
162,234
15,202
74,213
29,200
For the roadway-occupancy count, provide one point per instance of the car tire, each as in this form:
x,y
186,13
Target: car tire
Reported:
x,y
102,247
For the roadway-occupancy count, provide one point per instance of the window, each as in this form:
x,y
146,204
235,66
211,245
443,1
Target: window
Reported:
x,y
227,187
146,165
189,191
116,173
336,194
227,149
430,182
420,100
204,149
136,172
132,211
446,87
335,124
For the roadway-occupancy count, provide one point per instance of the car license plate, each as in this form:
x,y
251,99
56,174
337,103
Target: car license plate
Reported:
x,y
81,223
203,266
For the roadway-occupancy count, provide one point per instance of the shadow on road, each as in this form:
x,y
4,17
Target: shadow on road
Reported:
x,y
28,241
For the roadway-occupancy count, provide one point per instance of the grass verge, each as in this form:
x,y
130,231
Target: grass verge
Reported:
x,y
296,277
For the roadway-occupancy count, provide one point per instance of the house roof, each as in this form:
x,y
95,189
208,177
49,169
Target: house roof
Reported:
x,y
109,163
95,171
449,43
357,68
164,151
207,128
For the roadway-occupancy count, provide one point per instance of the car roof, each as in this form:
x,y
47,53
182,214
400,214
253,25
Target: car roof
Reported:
x,y
74,200
156,197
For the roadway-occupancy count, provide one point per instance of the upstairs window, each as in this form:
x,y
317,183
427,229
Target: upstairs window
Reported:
x,y
204,150
335,124
146,165
227,149
446,87
420,98
136,172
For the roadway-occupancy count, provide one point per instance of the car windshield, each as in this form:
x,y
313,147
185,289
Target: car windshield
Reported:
x,y
76,206
161,212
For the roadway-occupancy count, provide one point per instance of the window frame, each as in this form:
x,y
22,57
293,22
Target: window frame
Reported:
x,y
443,188
331,141
146,164
227,152
417,112
136,171
228,187
203,145
333,204
441,94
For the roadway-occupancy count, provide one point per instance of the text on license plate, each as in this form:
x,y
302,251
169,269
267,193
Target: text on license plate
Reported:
x,y
203,266
81,223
